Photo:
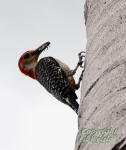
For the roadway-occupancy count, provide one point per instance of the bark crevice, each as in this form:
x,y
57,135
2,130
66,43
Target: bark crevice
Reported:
x,y
119,146
108,70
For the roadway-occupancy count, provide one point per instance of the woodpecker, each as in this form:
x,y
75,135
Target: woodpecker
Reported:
x,y
52,74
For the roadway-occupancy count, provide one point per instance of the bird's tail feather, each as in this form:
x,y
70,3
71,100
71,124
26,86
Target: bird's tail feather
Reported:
x,y
72,100
73,104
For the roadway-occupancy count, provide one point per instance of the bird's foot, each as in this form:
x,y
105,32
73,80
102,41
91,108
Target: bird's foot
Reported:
x,y
79,64
79,81
81,61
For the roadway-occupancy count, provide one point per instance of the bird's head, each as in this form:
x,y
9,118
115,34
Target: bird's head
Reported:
x,y
28,60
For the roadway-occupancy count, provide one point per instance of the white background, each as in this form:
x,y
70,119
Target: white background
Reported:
x,y
30,118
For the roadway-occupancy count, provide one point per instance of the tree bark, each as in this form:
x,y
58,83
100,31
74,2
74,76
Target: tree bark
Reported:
x,y
103,92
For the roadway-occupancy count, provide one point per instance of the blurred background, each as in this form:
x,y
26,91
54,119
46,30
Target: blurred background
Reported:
x,y
31,118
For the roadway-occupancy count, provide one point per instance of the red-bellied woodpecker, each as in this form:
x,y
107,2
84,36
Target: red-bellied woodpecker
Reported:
x,y
55,76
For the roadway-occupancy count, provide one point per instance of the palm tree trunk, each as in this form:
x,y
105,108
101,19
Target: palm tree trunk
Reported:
x,y
103,92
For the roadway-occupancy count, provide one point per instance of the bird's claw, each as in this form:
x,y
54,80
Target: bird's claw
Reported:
x,y
80,64
82,52
81,59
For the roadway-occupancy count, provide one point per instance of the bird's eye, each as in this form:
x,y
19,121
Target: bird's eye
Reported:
x,y
26,56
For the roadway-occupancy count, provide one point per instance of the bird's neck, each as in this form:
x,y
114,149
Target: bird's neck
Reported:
x,y
31,73
29,70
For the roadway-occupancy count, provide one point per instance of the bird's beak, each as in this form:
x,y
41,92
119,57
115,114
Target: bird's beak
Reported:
x,y
41,48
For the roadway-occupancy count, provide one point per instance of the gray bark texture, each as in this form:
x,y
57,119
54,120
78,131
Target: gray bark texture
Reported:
x,y
103,91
